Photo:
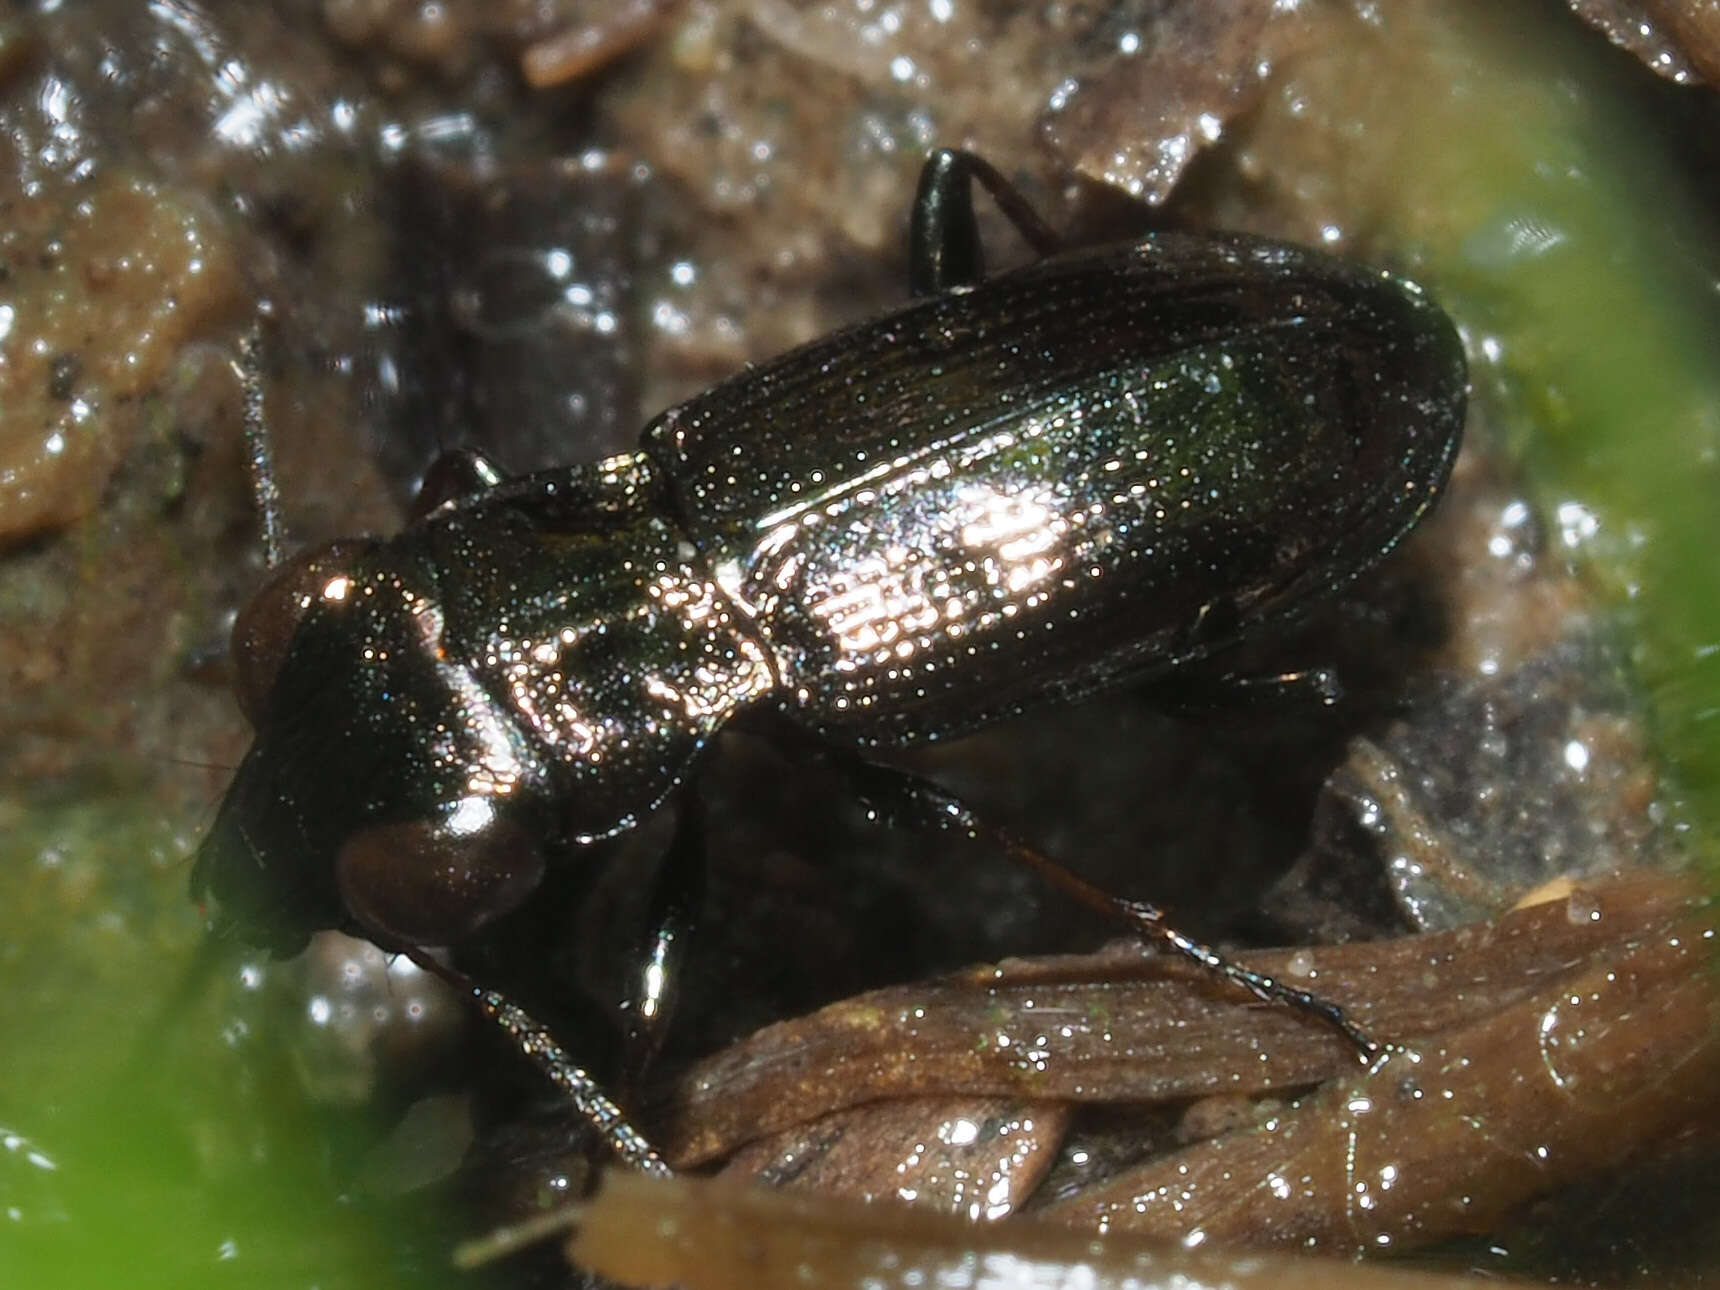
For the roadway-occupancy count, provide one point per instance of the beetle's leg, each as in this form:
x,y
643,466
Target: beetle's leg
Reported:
x,y
943,237
1310,687
675,906
905,799
534,1042
1197,687
456,473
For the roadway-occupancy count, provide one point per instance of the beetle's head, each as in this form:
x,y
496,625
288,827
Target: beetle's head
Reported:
x,y
386,791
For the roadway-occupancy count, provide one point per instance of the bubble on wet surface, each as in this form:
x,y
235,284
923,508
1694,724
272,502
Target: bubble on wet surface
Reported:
x,y
366,1020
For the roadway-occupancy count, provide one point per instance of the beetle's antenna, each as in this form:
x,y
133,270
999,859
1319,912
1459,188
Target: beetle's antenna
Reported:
x,y
259,448
533,1041
515,1237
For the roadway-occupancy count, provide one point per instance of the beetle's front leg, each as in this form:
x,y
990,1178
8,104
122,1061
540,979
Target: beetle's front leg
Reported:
x,y
678,897
944,251
456,473
903,799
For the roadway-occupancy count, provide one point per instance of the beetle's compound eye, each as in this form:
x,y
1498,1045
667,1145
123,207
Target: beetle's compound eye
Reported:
x,y
435,882
263,631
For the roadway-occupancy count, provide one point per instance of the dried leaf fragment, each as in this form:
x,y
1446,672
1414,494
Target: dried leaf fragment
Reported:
x,y
717,1236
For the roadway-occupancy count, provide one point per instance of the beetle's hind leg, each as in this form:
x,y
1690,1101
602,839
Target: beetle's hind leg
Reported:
x,y
1190,693
944,251
901,798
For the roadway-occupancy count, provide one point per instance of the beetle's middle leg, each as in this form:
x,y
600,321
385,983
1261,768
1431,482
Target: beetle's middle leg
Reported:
x,y
944,250
903,799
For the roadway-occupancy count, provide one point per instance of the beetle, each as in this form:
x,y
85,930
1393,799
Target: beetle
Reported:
x,y
1107,466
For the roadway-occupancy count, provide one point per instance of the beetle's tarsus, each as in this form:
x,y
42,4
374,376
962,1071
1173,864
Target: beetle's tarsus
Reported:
x,y
903,799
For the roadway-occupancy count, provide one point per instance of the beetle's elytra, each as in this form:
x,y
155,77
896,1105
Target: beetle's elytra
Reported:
x,y
1014,491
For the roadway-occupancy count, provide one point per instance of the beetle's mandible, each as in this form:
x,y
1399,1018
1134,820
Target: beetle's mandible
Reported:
x,y
1016,490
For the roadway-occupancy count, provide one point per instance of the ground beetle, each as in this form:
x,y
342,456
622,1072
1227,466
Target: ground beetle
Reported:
x,y
1015,491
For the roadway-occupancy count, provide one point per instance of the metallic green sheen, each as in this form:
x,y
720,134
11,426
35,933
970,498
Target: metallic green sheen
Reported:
x,y
1093,469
